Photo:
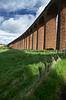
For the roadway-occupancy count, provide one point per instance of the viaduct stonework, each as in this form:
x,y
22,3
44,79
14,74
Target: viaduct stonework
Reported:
x,y
48,30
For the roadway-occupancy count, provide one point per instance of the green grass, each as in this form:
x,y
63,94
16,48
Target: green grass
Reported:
x,y
19,70
51,88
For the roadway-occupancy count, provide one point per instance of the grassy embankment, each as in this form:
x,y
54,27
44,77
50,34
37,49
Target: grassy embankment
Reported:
x,y
19,70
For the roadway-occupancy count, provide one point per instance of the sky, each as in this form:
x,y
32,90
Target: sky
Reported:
x,y
16,16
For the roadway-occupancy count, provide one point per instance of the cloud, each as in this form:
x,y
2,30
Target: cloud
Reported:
x,y
42,7
1,19
18,24
6,37
12,26
11,5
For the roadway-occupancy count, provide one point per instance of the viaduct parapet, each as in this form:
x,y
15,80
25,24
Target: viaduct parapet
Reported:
x,y
48,30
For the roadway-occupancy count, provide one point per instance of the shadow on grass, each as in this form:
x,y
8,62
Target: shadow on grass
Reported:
x,y
16,73
49,89
63,92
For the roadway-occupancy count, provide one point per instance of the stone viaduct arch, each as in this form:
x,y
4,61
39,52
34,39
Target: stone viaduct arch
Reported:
x,y
48,30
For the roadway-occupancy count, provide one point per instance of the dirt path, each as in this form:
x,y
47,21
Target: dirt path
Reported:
x,y
39,81
35,85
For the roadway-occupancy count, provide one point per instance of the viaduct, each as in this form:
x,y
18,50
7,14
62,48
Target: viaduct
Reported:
x,y
48,30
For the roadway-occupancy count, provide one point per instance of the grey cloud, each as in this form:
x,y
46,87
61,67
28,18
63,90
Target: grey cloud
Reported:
x,y
14,27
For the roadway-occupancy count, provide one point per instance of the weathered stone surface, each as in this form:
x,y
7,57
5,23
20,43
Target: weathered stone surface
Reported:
x,y
31,41
28,42
34,40
41,37
50,32
63,27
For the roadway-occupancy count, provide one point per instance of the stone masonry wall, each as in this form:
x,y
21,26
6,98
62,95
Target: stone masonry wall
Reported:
x,y
51,32
63,27
34,40
41,37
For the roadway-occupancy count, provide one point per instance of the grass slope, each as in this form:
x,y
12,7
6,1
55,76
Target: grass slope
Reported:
x,y
54,87
19,70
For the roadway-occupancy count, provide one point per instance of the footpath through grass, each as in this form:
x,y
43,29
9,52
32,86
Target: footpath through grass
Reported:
x,y
54,86
19,70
